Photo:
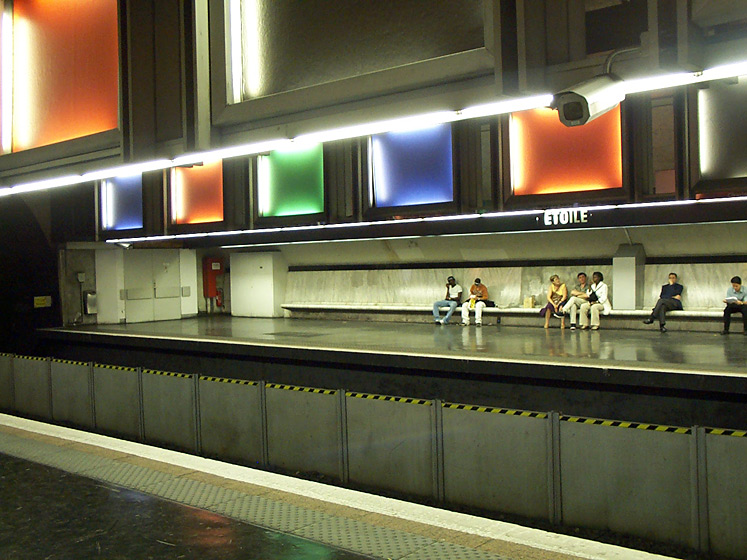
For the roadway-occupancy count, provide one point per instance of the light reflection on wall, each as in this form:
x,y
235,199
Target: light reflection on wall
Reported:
x,y
291,182
547,157
722,120
197,193
122,203
412,168
66,70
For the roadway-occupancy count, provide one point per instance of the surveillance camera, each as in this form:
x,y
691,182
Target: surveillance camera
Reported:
x,y
588,100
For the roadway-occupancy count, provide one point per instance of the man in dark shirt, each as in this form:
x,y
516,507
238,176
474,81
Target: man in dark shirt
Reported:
x,y
669,299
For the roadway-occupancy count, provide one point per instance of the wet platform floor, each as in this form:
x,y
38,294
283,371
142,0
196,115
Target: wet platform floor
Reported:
x,y
677,352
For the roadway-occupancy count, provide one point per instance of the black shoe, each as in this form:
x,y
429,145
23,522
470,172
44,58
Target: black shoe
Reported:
x,y
648,321
663,328
724,331
557,315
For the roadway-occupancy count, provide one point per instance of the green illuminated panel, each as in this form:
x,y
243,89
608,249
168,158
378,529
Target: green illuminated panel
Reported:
x,y
291,183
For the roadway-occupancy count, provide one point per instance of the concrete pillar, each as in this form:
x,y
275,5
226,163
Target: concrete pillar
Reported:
x,y
627,277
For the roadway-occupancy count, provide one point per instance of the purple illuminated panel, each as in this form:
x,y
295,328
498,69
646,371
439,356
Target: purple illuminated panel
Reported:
x,y
412,168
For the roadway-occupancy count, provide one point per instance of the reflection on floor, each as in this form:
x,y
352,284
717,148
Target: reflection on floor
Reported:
x,y
70,494
684,352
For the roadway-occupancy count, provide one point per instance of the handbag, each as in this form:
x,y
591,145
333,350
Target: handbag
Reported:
x,y
593,296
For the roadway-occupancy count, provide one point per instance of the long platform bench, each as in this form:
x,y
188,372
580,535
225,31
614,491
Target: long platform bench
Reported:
x,y
688,319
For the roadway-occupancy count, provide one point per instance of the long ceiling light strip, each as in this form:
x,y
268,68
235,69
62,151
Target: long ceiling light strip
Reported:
x,y
412,122
365,129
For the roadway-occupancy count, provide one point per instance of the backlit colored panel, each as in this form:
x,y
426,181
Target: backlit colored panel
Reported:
x,y
548,157
291,183
411,168
197,193
66,76
722,121
122,203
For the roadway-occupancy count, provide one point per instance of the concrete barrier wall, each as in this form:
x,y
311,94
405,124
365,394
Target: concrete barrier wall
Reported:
x,y
391,443
170,409
31,386
726,486
627,480
231,419
484,447
303,429
72,395
662,483
6,381
117,400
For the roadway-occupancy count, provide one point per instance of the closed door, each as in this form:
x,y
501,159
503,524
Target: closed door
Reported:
x,y
152,285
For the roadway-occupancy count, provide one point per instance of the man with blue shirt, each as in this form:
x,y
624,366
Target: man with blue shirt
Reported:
x,y
736,302
670,299
453,297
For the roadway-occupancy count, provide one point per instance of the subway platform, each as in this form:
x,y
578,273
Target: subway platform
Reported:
x,y
675,378
71,494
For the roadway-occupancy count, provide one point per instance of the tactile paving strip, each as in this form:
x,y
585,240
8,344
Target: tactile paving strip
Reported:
x,y
450,551
74,461
358,536
269,513
194,493
129,476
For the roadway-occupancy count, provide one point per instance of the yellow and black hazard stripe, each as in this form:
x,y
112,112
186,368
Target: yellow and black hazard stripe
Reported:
x,y
404,400
622,424
507,411
117,368
226,380
34,358
301,389
166,373
4,355
726,432
71,362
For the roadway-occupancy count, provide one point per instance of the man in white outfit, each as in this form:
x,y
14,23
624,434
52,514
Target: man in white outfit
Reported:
x,y
598,302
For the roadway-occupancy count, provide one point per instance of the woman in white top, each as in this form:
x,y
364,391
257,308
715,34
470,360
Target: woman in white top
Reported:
x,y
598,302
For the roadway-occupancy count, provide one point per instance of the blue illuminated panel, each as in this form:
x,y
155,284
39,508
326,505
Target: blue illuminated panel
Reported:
x,y
122,203
410,168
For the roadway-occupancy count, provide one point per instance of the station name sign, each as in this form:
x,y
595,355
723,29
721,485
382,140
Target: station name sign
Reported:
x,y
566,216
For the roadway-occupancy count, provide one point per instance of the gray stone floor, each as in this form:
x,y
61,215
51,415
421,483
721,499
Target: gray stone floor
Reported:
x,y
677,352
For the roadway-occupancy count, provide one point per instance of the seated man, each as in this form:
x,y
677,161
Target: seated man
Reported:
x,y
670,299
736,302
578,297
452,299
478,294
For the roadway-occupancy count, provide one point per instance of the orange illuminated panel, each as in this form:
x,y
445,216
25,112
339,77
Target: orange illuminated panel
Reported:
x,y
197,193
65,70
548,157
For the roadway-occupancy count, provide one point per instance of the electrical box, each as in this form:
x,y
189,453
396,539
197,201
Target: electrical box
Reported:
x,y
211,269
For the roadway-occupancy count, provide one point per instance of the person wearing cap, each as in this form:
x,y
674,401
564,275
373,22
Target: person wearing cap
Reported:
x,y
478,294
451,300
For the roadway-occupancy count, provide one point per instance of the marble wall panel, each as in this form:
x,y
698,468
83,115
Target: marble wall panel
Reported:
x,y
704,284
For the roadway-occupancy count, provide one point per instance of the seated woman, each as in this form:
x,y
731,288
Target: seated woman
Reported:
x,y
557,295
598,302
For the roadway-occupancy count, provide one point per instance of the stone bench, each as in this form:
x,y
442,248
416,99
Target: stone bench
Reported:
x,y
688,319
